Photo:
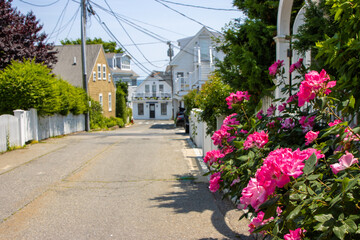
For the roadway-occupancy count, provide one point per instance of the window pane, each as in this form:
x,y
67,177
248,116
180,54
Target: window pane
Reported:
x,y
110,108
147,88
164,109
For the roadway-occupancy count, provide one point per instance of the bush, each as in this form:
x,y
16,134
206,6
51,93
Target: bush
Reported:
x,y
129,113
98,121
30,85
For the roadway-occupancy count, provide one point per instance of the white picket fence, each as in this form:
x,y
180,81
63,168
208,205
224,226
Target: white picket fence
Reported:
x,y
25,126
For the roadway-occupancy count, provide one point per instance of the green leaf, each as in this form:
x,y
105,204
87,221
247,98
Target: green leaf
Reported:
x,y
313,177
352,102
340,231
238,144
350,225
335,200
310,164
323,217
294,212
243,158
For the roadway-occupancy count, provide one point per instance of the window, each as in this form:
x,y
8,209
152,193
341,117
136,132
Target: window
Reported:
x,y
125,62
109,77
99,71
104,71
163,108
147,89
118,60
153,90
161,88
94,76
101,99
205,49
110,108
140,109
180,76
114,63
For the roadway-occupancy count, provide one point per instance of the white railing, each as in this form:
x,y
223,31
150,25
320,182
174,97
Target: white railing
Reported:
x,y
150,95
25,126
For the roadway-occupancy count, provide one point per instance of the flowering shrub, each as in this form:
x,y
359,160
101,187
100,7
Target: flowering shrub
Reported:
x,y
295,166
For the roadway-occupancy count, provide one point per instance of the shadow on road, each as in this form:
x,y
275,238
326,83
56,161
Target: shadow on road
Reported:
x,y
192,196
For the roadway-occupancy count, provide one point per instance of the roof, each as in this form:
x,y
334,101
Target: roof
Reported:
x,y
122,72
69,65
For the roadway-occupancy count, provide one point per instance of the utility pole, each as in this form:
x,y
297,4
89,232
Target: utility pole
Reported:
x,y
83,58
170,53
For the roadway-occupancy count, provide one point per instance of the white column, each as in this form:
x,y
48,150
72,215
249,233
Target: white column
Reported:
x,y
35,124
282,45
19,114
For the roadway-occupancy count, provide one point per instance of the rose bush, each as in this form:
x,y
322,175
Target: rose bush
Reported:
x,y
295,167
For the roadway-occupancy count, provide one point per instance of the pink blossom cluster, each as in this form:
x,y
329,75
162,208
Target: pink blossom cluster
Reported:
x,y
271,110
307,123
350,136
215,180
273,69
277,168
311,136
288,123
314,84
259,114
213,156
292,98
237,97
282,107
257,139
223,133
259,221
336,122
344,162
296,65
297,234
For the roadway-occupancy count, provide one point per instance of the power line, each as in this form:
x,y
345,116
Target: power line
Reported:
x,y
148,43
137,47
182,14
72,24
36,5
60,17
196,6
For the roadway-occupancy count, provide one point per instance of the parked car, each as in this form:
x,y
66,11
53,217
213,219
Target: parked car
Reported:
x,y
180,119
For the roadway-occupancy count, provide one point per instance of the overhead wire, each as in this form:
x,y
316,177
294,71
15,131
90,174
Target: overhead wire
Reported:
x,y
72,24
202,7
131,39
60,17
37,5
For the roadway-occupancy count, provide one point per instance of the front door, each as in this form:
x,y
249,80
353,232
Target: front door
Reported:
x,y
152,110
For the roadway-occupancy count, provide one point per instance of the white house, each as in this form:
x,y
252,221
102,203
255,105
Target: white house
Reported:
x,y
193,64
152,98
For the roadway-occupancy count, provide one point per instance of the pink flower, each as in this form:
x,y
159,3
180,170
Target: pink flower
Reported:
x,y
235,182
311,136
344,162
230,120
221,135
350,136
291,98
227,149
307,124
271,110
336,122
237,97
244,131
253,194
213,156
271,124
257,139
288,124
275,66
297,234
259,114
282,107
215,182
314,84
296,65
278,211
258,221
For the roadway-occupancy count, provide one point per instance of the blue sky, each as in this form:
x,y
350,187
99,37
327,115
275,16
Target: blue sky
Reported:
x,y
62,20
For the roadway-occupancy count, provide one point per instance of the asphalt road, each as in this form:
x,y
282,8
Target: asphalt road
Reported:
x,y
141,182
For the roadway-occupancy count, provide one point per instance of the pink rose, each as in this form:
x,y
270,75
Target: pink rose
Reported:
x,y
213,156
257,139
311,136
271,110
237,97
259,114
344,162
258,221
296,65
336,122
275,66
215,182
297,234
282,107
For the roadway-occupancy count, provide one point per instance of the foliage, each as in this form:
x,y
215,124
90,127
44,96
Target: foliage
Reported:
x,y
129,113
210,100
294,168
98,121
191,101
109,47
30,85
121,97
20,37
249,47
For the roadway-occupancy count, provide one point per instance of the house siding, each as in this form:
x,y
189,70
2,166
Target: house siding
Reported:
x,y
102,86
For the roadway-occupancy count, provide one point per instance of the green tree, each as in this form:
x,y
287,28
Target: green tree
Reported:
x,y
109,47
121,97
249,47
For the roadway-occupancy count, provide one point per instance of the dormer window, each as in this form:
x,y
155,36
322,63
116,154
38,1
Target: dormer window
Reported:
x,y
114,63
125,62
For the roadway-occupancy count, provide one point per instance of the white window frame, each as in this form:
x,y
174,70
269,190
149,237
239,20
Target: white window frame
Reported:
x,y
143,106
99,71
104,71
109,77
101,99
109,100
94,76
161,109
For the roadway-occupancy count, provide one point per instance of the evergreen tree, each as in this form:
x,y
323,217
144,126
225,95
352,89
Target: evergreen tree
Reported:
x,y
109,47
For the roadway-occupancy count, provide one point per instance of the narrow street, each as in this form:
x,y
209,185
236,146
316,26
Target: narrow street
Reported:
x,y
141,182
